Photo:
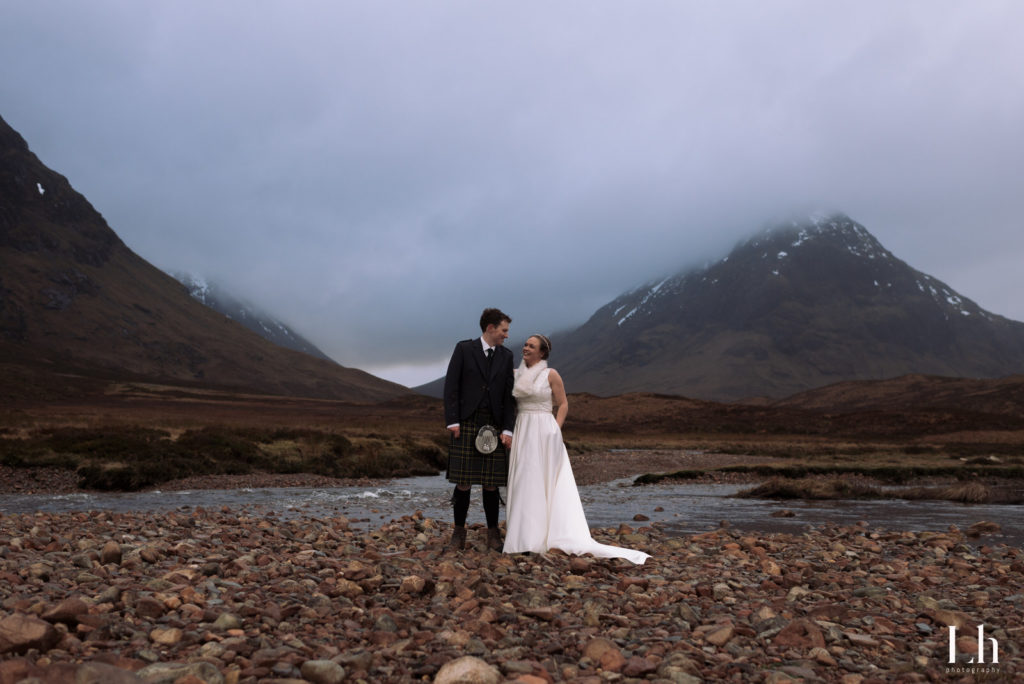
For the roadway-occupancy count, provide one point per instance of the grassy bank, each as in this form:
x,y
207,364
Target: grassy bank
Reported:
x,y
888,474
129,458
837,488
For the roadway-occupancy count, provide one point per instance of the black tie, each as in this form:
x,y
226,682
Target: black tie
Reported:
x,y
490,356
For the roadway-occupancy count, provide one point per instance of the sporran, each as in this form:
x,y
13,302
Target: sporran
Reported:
x,y
487,439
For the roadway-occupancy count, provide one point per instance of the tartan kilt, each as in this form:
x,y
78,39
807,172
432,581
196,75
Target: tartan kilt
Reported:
x,y
466,465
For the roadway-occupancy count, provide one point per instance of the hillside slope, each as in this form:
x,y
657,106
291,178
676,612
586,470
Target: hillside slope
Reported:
x,y
75,301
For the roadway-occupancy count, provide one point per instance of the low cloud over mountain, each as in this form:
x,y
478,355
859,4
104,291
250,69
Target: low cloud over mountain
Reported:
x,y
76,302
795,307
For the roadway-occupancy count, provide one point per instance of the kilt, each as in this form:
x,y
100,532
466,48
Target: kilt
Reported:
x,y
466,465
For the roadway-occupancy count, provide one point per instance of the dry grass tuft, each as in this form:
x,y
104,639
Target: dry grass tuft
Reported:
x,y
835,488
812,489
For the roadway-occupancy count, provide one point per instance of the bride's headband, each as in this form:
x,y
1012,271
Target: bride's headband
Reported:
x,y
545,342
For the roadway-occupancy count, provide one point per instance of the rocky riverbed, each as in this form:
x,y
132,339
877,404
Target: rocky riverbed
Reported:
x,y
242,596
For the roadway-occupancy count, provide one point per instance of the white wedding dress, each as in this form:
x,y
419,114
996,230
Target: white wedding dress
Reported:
x,y
544,510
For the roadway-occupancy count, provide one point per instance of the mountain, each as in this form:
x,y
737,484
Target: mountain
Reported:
x,y
797,306
263,324
434,388
76,303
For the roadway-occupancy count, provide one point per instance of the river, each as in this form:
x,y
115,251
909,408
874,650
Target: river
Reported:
x,y
682,508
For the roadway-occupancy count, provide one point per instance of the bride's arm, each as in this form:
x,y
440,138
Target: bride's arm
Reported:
x,y
558,397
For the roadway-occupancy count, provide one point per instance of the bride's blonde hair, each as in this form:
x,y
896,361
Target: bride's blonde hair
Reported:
x,y
545,345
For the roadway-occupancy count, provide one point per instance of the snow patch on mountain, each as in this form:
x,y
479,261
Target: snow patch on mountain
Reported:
x,y
260,322
646,295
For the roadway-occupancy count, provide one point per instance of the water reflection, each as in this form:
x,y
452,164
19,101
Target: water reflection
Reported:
x,y
683,508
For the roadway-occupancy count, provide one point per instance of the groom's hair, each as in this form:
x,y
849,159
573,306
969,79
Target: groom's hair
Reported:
x,y
492,317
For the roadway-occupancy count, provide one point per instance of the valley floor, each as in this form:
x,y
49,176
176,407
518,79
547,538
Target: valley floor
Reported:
x,y
225,596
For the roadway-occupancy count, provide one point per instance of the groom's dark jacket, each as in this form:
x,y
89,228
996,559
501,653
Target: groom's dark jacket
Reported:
x,y
468,382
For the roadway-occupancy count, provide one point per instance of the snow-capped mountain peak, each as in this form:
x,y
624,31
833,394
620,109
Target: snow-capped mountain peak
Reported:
x,y
795,306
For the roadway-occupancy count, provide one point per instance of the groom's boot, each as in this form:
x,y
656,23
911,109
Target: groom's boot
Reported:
x,y
460,503
494,541
491,500
458,540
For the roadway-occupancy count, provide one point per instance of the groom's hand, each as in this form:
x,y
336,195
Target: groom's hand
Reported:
x,y
507,441
455,431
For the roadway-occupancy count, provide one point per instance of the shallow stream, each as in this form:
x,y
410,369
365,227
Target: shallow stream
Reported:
x,y
683,508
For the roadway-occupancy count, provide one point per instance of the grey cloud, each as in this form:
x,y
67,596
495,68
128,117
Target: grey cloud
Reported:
x,y
377,173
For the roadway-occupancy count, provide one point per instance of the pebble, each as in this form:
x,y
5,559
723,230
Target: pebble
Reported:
x,y
244,597
468,670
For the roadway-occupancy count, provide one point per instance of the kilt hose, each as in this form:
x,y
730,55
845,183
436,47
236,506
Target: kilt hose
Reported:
x,y
466,465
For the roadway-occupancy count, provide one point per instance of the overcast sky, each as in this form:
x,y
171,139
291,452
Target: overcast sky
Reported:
x,y
375,173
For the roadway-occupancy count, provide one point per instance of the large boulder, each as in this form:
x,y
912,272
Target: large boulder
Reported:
x,y
19,633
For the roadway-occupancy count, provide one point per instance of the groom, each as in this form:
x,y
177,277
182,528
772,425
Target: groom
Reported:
x,y
478,392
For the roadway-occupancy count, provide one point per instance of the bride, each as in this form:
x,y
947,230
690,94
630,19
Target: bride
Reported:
x,y
544,507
